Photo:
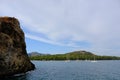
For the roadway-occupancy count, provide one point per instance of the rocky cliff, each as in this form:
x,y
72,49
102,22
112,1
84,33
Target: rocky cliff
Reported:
x,y
13,55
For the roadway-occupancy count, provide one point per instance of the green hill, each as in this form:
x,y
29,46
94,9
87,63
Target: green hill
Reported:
x,y
80,53
76,55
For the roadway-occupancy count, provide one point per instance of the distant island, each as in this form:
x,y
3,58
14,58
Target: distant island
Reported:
x,y
75,55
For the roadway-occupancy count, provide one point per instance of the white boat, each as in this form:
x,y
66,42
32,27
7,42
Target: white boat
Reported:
x,y
67,60
94,60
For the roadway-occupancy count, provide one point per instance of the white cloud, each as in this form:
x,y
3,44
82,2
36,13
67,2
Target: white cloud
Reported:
x,y
67,22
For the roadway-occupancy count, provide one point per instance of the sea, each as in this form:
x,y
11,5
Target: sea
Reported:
x,y
72,70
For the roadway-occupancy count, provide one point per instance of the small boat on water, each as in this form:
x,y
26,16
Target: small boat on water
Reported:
x,y
67,60
94,60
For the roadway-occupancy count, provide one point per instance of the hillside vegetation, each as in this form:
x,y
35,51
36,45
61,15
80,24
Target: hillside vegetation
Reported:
x,y
76,55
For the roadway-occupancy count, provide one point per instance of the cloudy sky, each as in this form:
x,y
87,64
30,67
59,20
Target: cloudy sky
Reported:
x,y
59,26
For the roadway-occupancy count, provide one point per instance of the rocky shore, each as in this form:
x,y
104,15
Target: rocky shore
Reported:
x,y
13,55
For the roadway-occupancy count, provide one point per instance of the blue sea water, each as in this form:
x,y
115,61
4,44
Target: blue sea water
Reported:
x,y
72,70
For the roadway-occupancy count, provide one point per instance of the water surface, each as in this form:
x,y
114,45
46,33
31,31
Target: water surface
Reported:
x,y
73,70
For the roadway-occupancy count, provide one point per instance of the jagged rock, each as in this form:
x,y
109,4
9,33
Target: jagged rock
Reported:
x,y
13,55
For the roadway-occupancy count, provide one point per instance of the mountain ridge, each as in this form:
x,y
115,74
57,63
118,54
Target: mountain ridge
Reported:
x,y
75,55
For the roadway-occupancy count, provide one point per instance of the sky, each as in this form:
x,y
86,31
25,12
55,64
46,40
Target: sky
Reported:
x,y
60,26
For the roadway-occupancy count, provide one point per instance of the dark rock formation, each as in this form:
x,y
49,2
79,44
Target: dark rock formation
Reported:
x,y
13,55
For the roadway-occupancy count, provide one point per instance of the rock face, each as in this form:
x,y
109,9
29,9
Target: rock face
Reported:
x,y
13,55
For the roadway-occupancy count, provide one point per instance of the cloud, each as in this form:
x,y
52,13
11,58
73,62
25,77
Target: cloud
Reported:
x,y
69,23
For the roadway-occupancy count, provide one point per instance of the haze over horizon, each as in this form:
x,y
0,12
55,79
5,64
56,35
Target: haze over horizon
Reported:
x,y
60,26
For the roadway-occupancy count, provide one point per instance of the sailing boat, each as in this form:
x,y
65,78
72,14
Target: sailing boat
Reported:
x,y
94,59
68,60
